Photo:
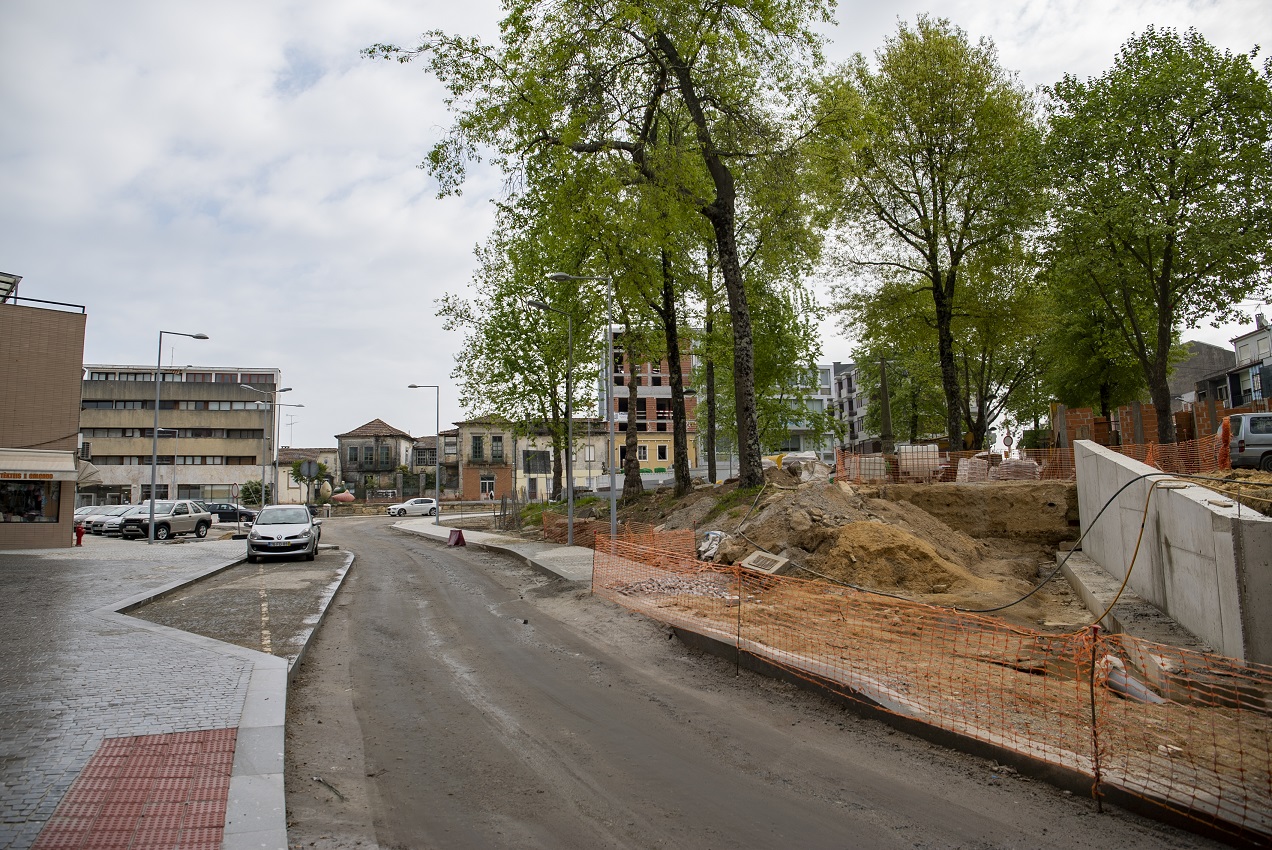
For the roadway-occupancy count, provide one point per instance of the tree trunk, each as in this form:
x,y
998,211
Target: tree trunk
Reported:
x,y
1158,387
709,379
721,214
679,427
943,298
632,485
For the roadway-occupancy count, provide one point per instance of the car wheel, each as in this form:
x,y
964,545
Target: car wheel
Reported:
x,y
1266,463
251,559
162,532
309,555
201,530
433,512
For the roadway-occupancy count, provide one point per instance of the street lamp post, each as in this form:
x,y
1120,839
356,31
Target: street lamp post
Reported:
x,y
437,447
569,415
154,435
273,426
562,277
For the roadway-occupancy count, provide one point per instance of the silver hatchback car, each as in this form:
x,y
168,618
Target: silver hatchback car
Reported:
x,y
283,530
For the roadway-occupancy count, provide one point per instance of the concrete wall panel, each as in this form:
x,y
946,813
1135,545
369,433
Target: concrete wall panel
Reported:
x,y
1204,560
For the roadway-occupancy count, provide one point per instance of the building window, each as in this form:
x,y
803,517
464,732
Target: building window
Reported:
x,y
478,447
662,451
589,453
101,376
642,453
256,378
227,378
496,448
353,454
198,377
487,485
450,444
384,455
368,454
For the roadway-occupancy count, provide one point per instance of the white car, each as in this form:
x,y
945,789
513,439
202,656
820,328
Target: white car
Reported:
x,y
414,507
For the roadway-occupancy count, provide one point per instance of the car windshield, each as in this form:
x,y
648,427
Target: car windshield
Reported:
x,y
162,507
122,509
283,516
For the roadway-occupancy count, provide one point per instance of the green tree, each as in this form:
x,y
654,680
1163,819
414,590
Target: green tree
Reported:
x,y
589,81
250,493
1163,170
936,157
309,481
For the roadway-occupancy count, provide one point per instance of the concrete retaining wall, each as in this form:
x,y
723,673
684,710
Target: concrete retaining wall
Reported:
x,y
1204,560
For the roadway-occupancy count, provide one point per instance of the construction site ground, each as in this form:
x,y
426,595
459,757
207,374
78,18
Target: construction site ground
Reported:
x,y
975,547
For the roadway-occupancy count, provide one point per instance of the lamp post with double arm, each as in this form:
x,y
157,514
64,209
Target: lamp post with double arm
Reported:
x,y
271,426
154,436
561,277
437,447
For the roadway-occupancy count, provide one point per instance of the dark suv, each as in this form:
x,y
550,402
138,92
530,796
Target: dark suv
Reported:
x,y
171,517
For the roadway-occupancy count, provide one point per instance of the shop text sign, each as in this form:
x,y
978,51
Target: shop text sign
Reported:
x,y
25,476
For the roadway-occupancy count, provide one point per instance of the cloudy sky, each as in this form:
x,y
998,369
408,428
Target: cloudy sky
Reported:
x,y
236,169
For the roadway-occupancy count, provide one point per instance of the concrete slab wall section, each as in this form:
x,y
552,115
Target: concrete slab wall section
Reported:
x,y
1204,560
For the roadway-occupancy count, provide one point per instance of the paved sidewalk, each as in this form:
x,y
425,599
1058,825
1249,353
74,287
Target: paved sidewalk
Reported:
x,y
135,719
568,562
76,678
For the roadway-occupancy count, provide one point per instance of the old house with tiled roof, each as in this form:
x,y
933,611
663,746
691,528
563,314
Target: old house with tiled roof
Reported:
x,y
291,493
371,454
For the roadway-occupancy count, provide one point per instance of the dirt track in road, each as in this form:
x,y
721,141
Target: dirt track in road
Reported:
x,y
454,699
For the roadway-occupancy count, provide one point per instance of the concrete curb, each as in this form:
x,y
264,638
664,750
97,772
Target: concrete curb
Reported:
x,y
530,560
256,813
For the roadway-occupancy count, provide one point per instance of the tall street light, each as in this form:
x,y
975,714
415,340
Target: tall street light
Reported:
x,y
437,447
562,277
154,435
273,397
569,415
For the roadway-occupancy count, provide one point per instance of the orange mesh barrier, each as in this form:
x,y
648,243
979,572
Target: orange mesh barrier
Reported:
x,y
1185,730
1192,457
556,529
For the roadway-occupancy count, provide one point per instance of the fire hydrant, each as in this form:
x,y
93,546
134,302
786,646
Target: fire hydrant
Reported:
x,y
79,534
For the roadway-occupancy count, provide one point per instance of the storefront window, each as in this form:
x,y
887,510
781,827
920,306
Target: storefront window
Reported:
x,y
29,501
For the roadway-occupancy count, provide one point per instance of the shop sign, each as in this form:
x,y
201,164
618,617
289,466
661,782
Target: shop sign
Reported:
x,y
26,476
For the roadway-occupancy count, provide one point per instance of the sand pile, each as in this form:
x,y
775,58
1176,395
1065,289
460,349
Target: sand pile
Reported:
x,y
881,556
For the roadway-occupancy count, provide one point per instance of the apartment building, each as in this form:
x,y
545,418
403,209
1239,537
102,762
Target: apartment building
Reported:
x,y
214,433
43,351
652,416
850,400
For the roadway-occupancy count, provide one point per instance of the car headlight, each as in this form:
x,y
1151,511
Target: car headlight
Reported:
x,y
253,535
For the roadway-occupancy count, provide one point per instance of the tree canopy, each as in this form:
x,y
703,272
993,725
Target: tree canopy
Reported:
x,y
1162,168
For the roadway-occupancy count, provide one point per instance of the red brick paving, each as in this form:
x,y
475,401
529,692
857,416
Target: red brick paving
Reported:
x,y
153,792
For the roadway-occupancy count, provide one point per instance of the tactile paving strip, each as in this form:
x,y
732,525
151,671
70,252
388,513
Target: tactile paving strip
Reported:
x,y
146,793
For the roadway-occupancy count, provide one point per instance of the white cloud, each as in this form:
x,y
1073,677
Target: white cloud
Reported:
x,y
238,169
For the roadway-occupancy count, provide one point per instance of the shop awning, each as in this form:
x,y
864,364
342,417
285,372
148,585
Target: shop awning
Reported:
x,y
88,474
37,465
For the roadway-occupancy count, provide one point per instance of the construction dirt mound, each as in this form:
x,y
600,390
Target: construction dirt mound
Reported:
x,y
973,546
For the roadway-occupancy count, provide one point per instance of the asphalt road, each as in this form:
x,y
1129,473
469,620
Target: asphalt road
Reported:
x,y
455,699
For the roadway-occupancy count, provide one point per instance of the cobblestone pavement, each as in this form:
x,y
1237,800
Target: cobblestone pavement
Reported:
x,y
72,673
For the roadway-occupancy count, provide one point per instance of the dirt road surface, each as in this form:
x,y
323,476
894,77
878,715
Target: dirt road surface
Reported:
x,y
456,699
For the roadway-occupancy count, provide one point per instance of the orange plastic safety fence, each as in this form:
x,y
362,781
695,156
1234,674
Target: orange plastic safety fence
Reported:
x,y
587,532
925,464
1187,730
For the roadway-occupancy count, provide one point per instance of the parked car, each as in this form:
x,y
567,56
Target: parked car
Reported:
x,y
230,512
283,530
96,522
414,507
1251,441
83,512
113,525
181,516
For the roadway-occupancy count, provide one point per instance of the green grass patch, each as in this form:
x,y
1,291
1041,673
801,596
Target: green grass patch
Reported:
x,y
729,501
